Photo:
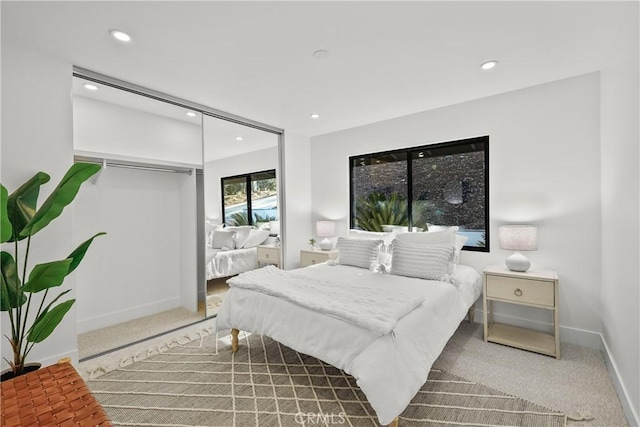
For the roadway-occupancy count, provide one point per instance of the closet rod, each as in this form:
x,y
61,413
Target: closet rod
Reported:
x,y
113,164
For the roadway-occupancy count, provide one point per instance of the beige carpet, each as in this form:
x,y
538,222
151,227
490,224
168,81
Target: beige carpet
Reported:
x,y
577,383
109,338
268,384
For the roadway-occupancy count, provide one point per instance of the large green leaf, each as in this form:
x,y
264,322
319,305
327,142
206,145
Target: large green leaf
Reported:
x,y
77,255
48,275
11,296
48,307
61,196
45,325
6,229
22,204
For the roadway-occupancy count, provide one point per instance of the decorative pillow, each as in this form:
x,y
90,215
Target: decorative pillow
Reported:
x,y
223,240
386,237
361,253
209,228
256,237
422,261
242,234
444,236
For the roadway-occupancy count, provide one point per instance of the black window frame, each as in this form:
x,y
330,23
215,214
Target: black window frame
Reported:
x,y
475,144
248,179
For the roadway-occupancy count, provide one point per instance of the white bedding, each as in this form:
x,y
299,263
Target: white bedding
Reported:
x,y
389,369
225,263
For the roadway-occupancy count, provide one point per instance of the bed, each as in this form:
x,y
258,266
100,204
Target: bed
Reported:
x,y
390,363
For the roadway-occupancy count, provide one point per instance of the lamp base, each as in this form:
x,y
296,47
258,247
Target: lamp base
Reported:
x,y
517,262
325,244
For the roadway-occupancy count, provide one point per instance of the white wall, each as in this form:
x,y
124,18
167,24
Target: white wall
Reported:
x,y
254,161
620,278
113,129
134,270
544,169
37,136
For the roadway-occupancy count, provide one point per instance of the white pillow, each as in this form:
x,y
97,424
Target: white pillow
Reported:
x,y
223,240
386,237
422,261
242,234
209,228
256,237
447,236
361,253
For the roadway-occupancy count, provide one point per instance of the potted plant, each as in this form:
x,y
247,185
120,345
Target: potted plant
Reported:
x,y
312,243
20,220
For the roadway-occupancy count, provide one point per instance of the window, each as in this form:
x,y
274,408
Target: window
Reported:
x,y
424,187
250,198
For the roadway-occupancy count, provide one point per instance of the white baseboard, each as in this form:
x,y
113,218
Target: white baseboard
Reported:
x,y
582,338
52,360
113,318
629,412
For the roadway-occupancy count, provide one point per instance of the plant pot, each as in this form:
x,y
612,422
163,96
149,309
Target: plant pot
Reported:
x,y
28,367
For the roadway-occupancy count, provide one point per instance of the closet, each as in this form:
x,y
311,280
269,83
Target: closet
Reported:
x,y
163,161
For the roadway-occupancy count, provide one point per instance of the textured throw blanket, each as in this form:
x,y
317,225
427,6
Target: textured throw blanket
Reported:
x,y
374,309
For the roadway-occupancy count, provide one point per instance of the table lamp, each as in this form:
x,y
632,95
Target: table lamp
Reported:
x,y
518,238
325,229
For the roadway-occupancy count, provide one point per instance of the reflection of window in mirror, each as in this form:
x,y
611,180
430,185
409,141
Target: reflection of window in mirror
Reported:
x,y
250,199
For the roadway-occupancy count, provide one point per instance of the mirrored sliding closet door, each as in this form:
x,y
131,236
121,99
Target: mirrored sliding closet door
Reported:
x,y
141,278
241,203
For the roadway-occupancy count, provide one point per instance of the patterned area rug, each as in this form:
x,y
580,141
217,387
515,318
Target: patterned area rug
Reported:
x,y
267,384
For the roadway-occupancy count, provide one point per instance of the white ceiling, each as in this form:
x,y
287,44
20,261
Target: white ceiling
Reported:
x,y
386,59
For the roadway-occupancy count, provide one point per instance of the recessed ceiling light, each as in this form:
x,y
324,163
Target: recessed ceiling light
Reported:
x,y
239,138
120,36
191,114
489,64
89,86
320,54
314,116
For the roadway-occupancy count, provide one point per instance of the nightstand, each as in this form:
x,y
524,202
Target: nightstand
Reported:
x,y
308,258
269,255
534,289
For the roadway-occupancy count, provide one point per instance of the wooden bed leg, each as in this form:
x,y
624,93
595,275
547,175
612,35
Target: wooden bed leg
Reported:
x,y
234,339
394,423
472,313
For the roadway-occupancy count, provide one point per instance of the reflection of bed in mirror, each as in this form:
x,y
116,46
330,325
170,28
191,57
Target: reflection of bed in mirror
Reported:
x,y
229,262
230,251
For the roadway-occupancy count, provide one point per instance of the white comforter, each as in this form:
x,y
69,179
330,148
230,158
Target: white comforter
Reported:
x,y
374,309
225,263
390,369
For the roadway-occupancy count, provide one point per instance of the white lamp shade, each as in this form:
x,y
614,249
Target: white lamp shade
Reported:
x,y
274,227
518,237
325,228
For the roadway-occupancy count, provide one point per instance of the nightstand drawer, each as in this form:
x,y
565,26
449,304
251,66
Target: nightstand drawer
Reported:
x,y
308,258
269,254
526,291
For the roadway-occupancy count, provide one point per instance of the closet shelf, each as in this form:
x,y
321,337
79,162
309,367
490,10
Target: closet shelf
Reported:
x,y
130,162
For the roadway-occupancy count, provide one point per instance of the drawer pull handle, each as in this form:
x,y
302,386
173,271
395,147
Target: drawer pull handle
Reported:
x,y
313,261
518,292
266,256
